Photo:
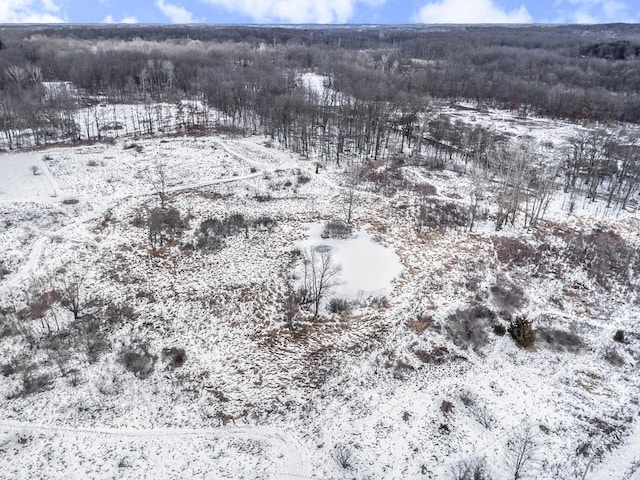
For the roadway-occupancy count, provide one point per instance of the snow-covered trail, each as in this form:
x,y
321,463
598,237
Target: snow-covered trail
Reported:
x,y
72,231
294,463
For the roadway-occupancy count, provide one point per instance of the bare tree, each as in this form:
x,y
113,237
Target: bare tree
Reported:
x,y
520,451
73,293
321,274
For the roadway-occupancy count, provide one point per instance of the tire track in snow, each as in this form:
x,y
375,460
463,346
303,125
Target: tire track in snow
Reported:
x,y
295,456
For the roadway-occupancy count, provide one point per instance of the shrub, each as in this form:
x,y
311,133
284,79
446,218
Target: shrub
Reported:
x,y
446,407
420,323
508,295
343,457
339,305
475,469
559,339
467,328
336,229
612,356
138,360
522,332
499,329
619,336
437,355
176,357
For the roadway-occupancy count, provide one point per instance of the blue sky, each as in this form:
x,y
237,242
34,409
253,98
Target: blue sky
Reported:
x,y
320,11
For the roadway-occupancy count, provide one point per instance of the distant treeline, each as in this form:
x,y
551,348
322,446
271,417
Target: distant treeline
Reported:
x,y
249,73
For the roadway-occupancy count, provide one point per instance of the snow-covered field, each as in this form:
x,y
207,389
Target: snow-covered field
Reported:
x,y
397,387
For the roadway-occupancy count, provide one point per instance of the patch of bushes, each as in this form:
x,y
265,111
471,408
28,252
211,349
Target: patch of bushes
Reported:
x,y
213,231
164,224
336,229
602,254
512,251
436,356
522,332
387,179
434,214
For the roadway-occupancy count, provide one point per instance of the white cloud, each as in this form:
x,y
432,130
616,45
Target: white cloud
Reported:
x,y
464,11
109,19
175,13
595,11
29,11
294,11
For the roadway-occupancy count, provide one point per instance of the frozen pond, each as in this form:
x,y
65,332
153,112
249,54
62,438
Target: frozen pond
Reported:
x,y
17,181
368,267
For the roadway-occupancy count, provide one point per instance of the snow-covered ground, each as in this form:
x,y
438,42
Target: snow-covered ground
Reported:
x,y
396,388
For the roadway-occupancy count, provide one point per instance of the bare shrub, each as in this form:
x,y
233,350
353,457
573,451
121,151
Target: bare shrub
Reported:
x,y
336,229
520,451
467,398
508,295
512,251
213,231
560,340
138,360
387,179
612,356
175,357
425,189
343,456
446,407
474,469
303,179
468,327
35,169
420,323
435,356
339,305
33,382
483,416
164,225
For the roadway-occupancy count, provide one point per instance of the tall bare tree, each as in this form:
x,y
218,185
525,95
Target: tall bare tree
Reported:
x,y
321,274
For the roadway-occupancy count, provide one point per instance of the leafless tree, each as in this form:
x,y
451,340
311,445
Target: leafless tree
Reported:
x,y
321,274
157,176
74,295
520,452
